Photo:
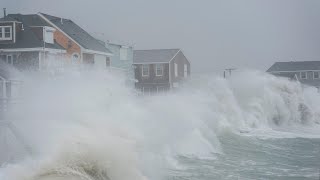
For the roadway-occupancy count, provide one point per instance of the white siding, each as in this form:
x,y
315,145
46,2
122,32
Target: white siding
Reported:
x,y
123,53
100,61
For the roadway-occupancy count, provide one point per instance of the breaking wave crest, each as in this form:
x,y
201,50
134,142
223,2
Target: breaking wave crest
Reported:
x,y
90,126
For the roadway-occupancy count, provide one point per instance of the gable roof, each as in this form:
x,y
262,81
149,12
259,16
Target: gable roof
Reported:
x,y
27,38
77,34
295,66
154,56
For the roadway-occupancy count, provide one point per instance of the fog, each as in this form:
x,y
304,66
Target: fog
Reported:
x,y
214,34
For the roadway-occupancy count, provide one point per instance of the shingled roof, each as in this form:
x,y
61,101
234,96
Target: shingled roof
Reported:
x,y
295,66
154,56
7,19
27,38
77,34
29,19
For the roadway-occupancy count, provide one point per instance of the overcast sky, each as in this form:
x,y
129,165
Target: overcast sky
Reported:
x,y
213,34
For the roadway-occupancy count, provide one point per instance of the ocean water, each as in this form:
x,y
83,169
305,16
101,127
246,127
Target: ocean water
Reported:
x,y
253,158
90,126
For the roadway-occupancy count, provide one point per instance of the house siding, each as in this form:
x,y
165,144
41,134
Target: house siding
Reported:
x,y
152,81
25,60
125,65
68,44
308,81
180,60
88,59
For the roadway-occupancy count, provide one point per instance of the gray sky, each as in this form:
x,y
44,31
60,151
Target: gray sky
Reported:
x,y
213,34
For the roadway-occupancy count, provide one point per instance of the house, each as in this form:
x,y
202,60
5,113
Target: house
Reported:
x,y
122,60
26,41
306,72
36,41
81,47
160,69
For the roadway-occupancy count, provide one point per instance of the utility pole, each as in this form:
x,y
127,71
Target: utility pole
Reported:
x,y
228,70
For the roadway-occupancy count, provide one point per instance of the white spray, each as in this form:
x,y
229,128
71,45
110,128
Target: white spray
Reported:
x,y
90,126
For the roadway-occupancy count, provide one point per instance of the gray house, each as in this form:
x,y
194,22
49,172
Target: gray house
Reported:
x,y
306,72
160,69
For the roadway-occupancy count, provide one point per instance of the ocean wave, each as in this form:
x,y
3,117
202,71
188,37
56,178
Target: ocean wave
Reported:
x,y
91,126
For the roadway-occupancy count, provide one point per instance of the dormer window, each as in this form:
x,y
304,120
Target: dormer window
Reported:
x,y
48,34
5,33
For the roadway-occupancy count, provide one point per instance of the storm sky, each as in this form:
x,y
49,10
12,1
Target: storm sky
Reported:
x,y
213,34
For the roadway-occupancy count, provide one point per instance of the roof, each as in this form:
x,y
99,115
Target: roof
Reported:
x,y
30,19
154,56
7,19
295,66
27,38
77,33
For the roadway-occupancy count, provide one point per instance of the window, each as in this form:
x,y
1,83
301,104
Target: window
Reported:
x,y
3,58
123,53
303,75
145,70
7,59
185,69
159,69
316,75
176,69
75,58
5,33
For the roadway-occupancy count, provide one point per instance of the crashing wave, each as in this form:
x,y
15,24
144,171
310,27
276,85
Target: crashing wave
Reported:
x,y
187,122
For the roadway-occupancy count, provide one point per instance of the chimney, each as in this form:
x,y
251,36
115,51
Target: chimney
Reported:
x,y
4,12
